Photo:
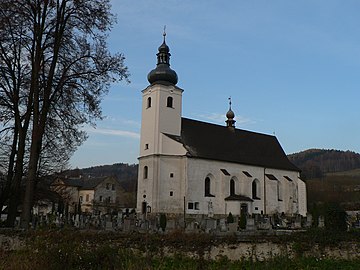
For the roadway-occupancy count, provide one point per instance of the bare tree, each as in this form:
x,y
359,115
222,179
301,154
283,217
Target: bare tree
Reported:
x,y
65,69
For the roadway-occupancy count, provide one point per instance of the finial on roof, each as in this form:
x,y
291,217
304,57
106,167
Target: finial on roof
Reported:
x,y
230,115
164,34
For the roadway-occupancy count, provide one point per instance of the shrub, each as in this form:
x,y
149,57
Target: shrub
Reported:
x,y
230,218
335,217
242,222
163,221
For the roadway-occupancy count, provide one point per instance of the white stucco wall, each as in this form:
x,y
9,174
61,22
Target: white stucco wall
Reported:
x,y
158,118
163,189
268,202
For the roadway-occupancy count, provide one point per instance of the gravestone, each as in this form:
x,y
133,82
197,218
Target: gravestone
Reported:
x,y
109,226
264,224
222,225
250,224
232,227
297,223
309,220
190,226
127,225
170,224
210,225
321,222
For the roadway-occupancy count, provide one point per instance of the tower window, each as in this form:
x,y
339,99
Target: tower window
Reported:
x,y
171,193
169,102
146,169
146,146
171,175
148,102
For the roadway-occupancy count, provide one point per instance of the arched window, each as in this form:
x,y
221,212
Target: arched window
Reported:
x,y
207,187
146,170
255,189
169,102
279,191
148,102
232,187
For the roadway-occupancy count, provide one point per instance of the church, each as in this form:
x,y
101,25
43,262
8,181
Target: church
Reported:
x,y
189,167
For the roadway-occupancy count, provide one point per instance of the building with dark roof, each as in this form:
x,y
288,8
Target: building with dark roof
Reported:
x,y
95,195
196,168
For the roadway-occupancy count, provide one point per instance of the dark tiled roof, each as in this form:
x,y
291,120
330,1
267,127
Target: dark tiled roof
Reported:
x,y
91,183
210,141
76,182
84,183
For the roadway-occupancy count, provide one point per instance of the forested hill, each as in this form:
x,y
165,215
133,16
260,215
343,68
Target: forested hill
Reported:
x,y
315,162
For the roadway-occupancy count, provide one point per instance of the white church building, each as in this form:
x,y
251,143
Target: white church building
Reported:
x,y
198,168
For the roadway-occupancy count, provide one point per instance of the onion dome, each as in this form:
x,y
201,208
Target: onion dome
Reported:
x,y
230,115
163,74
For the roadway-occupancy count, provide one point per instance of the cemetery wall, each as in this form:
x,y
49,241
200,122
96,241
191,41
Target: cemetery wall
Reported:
x,y
238,251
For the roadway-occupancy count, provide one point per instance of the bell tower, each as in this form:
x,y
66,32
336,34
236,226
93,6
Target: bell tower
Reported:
x,y
161,114
161,104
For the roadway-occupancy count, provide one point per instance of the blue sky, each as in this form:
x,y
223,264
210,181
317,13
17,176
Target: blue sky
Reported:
x,y
292,69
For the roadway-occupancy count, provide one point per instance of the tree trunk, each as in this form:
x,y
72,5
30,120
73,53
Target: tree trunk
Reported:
x,y
35,148
15,188
5,193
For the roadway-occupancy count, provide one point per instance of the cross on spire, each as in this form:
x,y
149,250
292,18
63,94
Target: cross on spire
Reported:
x,y
164,33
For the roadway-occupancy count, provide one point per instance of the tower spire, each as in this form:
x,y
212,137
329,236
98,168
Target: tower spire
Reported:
x,y
163,74
164,33
230,115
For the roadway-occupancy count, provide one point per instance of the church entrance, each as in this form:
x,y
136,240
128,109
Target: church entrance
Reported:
x,y
143,208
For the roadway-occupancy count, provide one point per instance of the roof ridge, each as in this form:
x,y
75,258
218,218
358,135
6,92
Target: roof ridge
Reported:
x,y
225,127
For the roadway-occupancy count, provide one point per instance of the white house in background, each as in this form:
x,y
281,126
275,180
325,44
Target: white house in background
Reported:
x,y
96,195
193,167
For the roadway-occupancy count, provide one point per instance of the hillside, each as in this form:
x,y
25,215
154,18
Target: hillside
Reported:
x,y
331,176
314,163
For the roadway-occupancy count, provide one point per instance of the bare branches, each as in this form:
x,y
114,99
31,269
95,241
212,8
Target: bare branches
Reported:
x,y
55,68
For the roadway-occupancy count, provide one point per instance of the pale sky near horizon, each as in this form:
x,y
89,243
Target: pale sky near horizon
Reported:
x,y
291,67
